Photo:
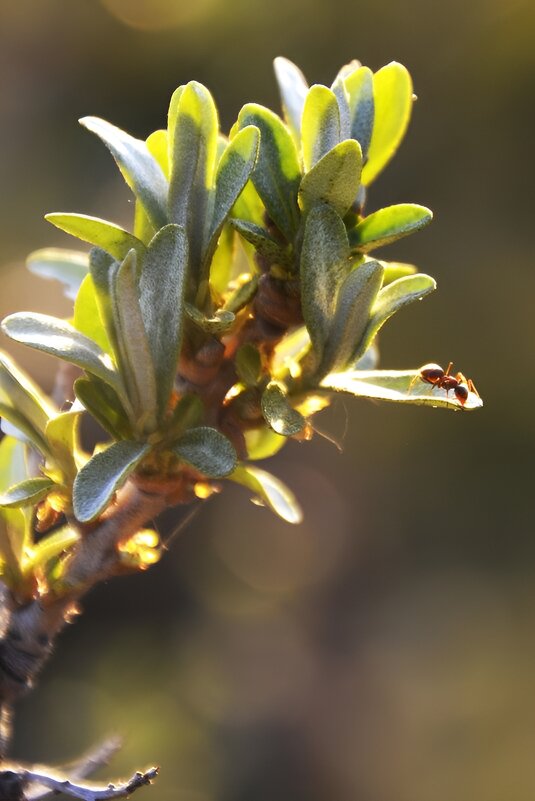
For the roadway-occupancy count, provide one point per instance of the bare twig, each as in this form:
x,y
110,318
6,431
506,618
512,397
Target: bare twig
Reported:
x,y
80,768
61,784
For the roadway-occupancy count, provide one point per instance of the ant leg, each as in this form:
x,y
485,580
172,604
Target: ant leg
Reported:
x,y
414,380
472,388
446,374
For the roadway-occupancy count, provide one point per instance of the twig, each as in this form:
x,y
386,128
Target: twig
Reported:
x,y
86,793
82,767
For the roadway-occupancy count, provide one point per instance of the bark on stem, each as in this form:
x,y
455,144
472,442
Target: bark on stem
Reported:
x,y
27,632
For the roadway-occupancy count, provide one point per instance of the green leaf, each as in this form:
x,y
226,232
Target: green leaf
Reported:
x,y
103,403
219,323
270,491
15,535
293,90
392,298
69,267
249,206
241,296
103,268
106,235
137,367
17,389
188,413
233,172
171,123
396,269
355,298
193,144
52,546
144,230
206,450
13,462
223,264
25,431
60,339
387,225
277,175
334,179
324,265
248,364
342,98
320,129
392,92
158,146
398,386
289,352
15,524
262,242
62,434
101,477
138,166
261,443
87,319
279,413
359,87
27,493
162,286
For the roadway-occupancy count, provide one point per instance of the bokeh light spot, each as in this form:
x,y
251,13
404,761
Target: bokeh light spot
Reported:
x,y
157,15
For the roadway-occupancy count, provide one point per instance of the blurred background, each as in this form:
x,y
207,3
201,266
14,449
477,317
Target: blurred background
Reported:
x,y
385,649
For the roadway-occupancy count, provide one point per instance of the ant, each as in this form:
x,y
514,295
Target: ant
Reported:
x,y
435,375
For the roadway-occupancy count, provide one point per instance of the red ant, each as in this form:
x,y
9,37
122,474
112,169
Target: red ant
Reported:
x,y
435,375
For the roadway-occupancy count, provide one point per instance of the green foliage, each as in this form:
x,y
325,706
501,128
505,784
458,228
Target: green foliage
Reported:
x,y
69,267
207,451
99,479
241,302
22,561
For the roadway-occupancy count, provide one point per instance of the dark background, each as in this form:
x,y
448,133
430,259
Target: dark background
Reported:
x,y
385,649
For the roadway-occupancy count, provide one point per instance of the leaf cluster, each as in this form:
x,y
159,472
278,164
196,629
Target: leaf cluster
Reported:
x,y
241,301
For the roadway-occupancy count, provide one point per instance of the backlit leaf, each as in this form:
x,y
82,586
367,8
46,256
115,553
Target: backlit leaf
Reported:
x,y
392,92
277,174
137,367
398,386
69,267
162,286
193,144
355,299
388,225
324,265
26,493
270,491
279,413
102,402
87,317
359,86
206,450
106,235
320,128
334,179
233,172
60,339
101,477
293,89
17,389
138,166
